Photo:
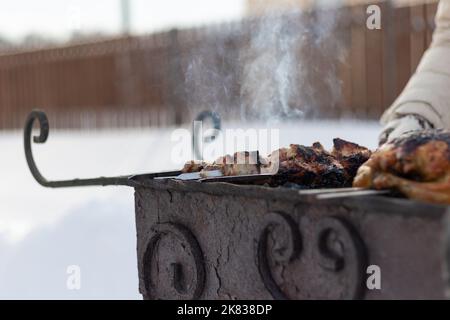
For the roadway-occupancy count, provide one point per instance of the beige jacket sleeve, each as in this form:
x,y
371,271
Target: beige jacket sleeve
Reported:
x,y
428,92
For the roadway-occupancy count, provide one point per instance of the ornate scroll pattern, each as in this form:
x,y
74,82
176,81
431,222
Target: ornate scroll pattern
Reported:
x,y
341,249
283,251
173,264
327,260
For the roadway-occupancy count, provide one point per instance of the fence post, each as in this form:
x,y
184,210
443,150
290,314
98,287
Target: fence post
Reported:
x,y
176,95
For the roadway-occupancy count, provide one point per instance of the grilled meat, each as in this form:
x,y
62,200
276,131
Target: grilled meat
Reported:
x,y
194,166
313,166
242,163
417,165
350,155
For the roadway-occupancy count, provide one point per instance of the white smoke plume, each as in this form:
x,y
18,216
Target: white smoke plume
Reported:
x,y
284,65
291,65
211,75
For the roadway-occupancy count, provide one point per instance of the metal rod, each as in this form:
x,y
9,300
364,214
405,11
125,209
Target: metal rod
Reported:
x,y
357,193
331,190
242,179
42,138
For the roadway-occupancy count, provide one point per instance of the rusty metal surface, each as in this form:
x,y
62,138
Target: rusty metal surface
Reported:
x,y
223,241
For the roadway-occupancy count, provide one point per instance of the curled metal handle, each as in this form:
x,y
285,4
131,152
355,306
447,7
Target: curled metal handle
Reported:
x,y
44,128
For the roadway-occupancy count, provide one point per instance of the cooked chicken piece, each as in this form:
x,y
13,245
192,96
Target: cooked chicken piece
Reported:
x,y
417,165
193,166
317,168
312,166
271,164
350,155
241,163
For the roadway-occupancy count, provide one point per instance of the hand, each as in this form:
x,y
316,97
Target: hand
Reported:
x,y
402,125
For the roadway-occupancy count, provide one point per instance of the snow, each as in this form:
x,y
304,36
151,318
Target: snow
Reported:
x,y
43,231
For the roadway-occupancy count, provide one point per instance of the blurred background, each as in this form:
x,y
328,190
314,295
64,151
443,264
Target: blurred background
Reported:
x,y
117,77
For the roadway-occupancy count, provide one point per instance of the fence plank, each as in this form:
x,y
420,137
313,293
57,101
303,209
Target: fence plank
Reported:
x,y
403,47
374,67
431,9
358,60
418,35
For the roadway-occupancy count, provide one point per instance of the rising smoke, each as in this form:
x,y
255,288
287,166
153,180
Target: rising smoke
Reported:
x,y
291,68
283,66
212,75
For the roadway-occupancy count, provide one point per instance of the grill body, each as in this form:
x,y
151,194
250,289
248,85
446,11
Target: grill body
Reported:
x,y
223,241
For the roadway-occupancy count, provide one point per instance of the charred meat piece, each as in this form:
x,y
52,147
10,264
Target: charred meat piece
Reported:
x,y
312,166
350,155
317,168
417,165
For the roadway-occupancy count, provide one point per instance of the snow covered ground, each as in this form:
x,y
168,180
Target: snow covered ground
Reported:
x,y
43,231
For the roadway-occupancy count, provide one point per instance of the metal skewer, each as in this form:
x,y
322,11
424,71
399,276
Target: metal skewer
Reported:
x,y
355,193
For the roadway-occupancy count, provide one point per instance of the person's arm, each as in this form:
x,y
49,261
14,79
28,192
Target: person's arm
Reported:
x,y
425,101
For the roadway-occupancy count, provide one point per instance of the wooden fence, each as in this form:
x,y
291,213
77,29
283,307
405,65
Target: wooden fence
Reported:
x,y
165,78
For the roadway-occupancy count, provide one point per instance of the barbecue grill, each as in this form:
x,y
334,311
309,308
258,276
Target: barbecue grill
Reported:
x,y
227,238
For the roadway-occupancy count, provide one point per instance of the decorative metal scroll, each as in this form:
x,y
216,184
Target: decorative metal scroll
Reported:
x,y
285,252
44,129
173,264
327,259
196,134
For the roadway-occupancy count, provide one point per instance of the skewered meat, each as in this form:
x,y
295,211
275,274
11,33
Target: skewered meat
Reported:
x,y
350,155
417,165
194,166
313,167
241,163
316,168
